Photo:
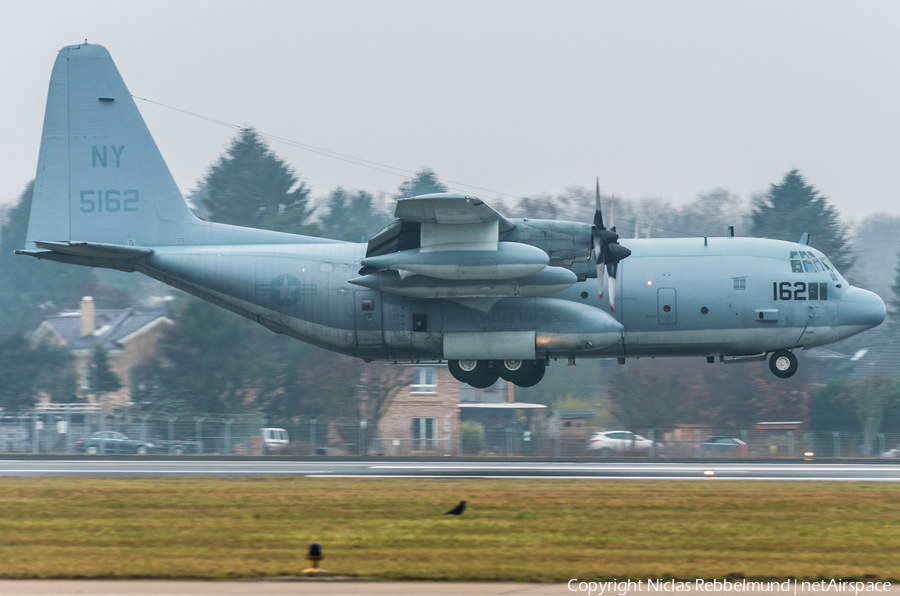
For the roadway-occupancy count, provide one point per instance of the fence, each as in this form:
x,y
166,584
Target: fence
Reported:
x,y
731,443
88,429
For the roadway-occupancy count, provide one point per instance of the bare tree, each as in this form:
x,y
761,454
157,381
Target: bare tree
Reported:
x,y
379,385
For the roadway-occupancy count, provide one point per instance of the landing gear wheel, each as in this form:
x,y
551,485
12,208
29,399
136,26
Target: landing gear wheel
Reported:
x,y
534,377
783,364
514,371
487,380
477,373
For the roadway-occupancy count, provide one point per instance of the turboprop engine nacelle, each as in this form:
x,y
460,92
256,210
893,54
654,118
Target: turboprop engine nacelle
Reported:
x,y
546,281
458,261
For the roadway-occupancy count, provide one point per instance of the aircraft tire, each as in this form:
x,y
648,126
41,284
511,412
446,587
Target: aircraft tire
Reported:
x,y
488,379
783,364
468,370
537,373
514,371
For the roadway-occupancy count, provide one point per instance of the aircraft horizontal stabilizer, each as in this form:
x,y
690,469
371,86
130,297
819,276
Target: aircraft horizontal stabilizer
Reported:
x,y
96,249
88,254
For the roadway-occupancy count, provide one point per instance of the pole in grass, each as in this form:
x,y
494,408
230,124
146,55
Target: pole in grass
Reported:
x,y
314,556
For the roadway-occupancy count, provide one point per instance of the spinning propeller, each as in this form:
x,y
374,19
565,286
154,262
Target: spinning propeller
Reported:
x,y
606,249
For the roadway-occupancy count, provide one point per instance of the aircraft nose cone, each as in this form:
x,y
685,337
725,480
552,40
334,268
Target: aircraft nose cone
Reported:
x,y
861,309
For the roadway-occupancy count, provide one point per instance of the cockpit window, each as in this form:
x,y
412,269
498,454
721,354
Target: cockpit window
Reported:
x,y
804,261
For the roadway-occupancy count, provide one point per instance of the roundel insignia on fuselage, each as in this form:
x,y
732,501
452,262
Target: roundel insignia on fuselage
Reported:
x,y
287,289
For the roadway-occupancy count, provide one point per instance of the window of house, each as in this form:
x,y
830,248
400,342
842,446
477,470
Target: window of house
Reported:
x,y
423,380
422,434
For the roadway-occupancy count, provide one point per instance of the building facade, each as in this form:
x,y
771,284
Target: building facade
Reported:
x,y
129,338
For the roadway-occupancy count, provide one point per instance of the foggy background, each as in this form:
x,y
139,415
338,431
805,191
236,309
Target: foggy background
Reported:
x,y
658,99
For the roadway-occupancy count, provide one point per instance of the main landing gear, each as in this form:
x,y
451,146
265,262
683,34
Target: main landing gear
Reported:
x,y
484,373
783,364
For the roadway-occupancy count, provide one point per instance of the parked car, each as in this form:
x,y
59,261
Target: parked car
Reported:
x,y
274,439
179,446
895,452
723,447
621,441
112,442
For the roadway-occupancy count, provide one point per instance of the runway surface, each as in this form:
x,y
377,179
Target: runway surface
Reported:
x,y
412,468
341,588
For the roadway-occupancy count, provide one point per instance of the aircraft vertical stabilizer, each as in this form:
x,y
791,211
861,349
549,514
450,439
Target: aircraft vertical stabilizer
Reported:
x,y
101,178
100,175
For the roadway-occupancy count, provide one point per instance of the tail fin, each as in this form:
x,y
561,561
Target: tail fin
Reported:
x,y
101,180
100,175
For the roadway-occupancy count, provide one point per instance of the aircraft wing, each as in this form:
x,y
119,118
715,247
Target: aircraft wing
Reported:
x,y
449,209
449,246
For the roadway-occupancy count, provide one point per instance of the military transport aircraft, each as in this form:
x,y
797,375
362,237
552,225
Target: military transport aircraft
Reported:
x,y
451,279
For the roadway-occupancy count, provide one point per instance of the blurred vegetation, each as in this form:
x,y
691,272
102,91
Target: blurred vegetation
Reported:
x,y
472,437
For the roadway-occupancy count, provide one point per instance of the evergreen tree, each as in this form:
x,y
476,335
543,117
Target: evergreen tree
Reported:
x,y
32,288
793,207
352,217
423,183
27,371
251,186
213,361
209,358
102,378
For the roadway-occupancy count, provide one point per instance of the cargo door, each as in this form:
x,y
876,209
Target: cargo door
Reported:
x,y
666,304
367,305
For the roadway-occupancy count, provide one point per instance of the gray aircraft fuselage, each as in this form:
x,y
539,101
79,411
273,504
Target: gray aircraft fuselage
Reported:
x,y
725,297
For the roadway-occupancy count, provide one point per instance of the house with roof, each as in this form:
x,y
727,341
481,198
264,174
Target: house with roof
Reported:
x,y
128,336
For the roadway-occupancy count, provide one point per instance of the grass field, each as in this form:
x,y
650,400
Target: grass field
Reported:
x,y
393,528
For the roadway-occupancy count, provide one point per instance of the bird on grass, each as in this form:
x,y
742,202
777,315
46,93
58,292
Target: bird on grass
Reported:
x,y
458,510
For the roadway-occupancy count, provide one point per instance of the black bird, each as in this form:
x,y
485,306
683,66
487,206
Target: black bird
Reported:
x,y
458,509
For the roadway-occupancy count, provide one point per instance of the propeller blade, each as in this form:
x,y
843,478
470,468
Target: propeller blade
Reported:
x,y
612,294
600,279
605,248
612,268
598,212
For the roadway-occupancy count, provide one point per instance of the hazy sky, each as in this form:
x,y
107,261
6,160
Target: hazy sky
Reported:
x,y
663,99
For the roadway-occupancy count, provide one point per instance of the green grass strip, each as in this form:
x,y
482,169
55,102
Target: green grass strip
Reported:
x,y
523,530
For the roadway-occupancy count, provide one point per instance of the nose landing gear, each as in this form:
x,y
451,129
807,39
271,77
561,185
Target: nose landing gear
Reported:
x,y
783,364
